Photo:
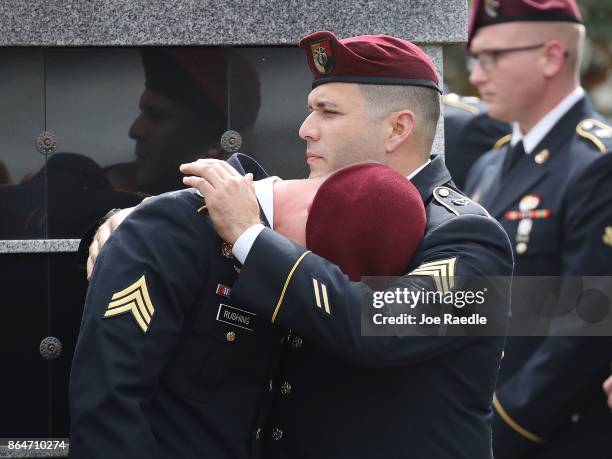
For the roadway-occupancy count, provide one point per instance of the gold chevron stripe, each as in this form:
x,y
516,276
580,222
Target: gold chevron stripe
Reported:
x,y
437,275
135,300
442,272
513,424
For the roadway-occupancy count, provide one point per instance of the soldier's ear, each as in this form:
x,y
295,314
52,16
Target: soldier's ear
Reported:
x,y
554,57
401,127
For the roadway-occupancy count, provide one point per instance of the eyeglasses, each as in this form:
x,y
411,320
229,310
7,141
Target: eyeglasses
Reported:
x,y
488,59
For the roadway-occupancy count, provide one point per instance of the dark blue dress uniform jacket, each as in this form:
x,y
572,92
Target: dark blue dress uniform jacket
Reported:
x,y
167,366
342,395
549,401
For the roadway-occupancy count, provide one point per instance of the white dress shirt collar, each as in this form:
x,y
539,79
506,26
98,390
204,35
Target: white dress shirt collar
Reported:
x,y
417,170
265,195
543,127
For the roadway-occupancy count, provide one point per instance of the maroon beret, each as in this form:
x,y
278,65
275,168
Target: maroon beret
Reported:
x,y
367,219
368,59
488,12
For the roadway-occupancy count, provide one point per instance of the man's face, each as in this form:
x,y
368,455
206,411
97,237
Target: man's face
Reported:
x,y
167,134
513,83
338,131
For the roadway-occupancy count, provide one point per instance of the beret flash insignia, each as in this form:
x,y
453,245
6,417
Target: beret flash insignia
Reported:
x,y
322,56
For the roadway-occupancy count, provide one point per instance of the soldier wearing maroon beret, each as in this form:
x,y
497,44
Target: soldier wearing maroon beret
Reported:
x,y
339,393
545,188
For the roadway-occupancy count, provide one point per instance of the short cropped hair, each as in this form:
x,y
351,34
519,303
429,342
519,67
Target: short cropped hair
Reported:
x,y
382,100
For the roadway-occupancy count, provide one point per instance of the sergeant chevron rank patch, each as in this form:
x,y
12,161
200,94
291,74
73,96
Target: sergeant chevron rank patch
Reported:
x,y
134,300
442,272
321,298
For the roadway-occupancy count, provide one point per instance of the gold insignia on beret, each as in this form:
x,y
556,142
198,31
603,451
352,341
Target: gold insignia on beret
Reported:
x,y
594,130
134,300
322,57
542,156
320,291
607,237
442,272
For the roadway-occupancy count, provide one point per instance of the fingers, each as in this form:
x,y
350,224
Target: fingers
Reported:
x,y
248,178
102,235
212,170
205,188
190,168
90,264
607,387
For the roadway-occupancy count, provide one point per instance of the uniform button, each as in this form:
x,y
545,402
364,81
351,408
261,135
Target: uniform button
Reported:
x,y
270,385
231,336
285,388
277,434
258,433
521,248
575,418
444,192
296,342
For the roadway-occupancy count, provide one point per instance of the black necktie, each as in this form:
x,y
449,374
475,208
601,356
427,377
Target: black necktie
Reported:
x,y
512,157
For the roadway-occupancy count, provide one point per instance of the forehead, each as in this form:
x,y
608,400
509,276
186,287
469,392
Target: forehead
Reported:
x,y
334,93
508,34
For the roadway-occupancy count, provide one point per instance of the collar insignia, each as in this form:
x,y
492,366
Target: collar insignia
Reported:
x,y
607,237
226,250
542,156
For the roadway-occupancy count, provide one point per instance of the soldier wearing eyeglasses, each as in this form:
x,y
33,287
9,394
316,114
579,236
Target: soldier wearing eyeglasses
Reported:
x,y
525,59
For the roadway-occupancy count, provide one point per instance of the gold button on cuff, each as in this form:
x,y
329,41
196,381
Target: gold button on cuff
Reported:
x,y
231,336
521,248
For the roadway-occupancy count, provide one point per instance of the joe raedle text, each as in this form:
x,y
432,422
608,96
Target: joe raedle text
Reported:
x,y
402,306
